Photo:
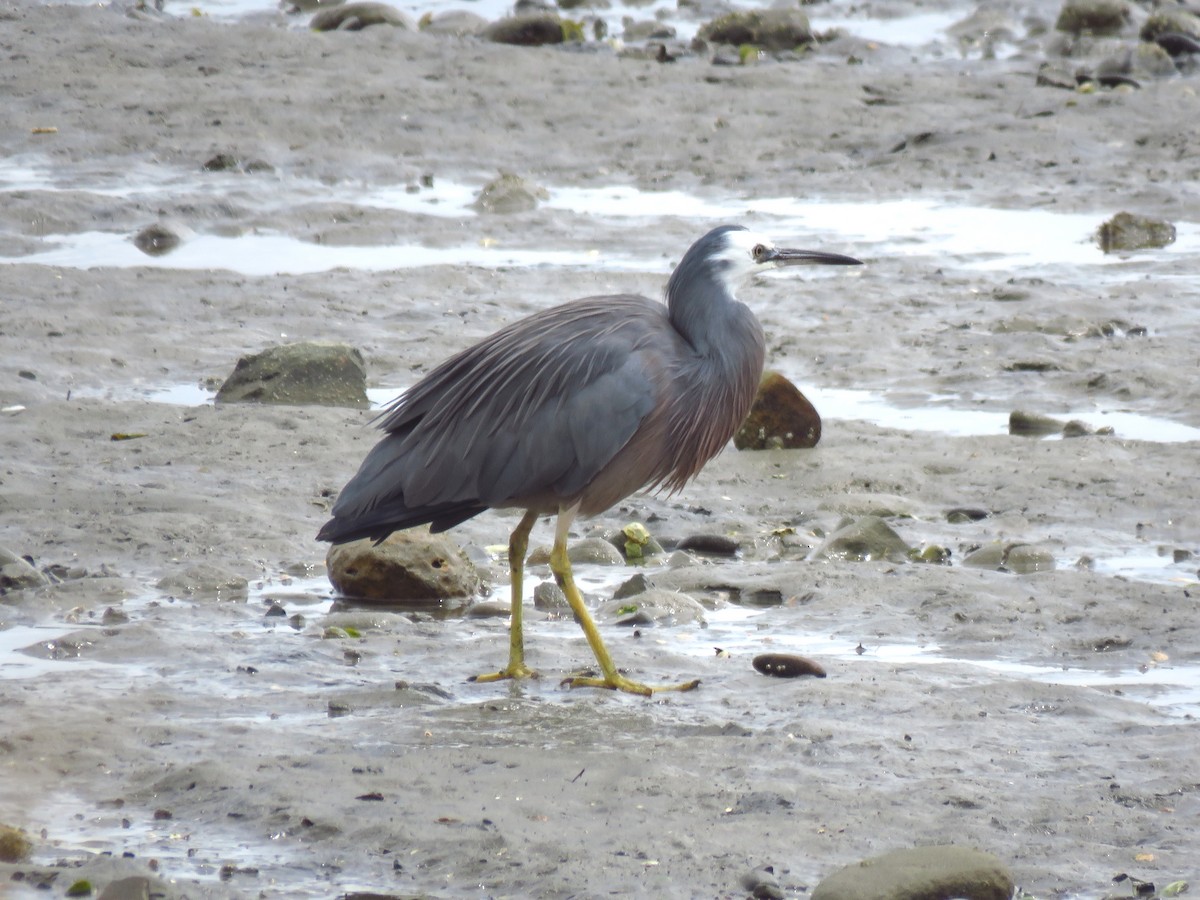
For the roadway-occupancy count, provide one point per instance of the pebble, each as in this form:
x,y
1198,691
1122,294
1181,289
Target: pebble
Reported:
x,y
865,539
710,544
17,573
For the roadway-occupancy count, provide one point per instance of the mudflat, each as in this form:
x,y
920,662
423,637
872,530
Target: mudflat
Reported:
x,y
156,722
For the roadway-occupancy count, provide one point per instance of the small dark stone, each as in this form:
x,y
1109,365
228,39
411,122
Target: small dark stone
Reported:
x,y
157,240
162,814
710,544
276,610
1031,424
961,514
787,665
1099,17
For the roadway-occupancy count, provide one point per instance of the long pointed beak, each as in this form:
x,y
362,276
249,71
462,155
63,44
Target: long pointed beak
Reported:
x,y
783,257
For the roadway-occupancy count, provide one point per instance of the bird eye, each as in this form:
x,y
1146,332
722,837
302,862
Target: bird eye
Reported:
x,y
759,252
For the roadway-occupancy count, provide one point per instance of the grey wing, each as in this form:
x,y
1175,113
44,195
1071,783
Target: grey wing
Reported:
x,y
541,406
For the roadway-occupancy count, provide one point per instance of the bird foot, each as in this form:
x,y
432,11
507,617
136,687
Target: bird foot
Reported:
x,y
514,671
618,682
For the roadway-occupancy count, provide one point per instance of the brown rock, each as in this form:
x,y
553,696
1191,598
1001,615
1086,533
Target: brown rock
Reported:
x,y
407,566
781,417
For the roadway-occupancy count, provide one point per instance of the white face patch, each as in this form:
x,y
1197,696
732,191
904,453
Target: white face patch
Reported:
x,y
739,257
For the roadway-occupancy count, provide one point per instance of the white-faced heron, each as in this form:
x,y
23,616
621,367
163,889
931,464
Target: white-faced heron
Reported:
x,y
570,410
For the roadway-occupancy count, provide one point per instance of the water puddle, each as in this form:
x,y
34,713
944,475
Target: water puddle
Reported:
x,y
943,414
954,234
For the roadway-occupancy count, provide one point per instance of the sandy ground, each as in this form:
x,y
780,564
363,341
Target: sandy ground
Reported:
x,y
301,765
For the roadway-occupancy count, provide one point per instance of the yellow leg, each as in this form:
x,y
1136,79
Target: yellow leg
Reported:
x,y
611,679
518,545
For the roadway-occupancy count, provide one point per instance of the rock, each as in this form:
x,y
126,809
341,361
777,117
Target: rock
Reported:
x,y
631,587
407,566
1023,559
646,30
206,582
781,417
787,665
159,239
596,551
921,873
15,845
357,16
490,609
1171,21
654,606
17,574
1099,17
532,30
454,23
761,884
865,539
772,29
309,373
1032,424
961,514
135,887
509,194
710,544
1178,45
635,542
549,595
1126,231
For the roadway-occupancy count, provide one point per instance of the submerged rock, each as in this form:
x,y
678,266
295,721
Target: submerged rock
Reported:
x,y
654,606
407,566
357,16
206,581
921,873
309,373
509,194
863,540
15,845
1127,231
1023,559
781,418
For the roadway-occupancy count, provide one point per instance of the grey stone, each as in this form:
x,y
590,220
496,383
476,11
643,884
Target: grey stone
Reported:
x,y
654,606
16,574
134,887
864,539
313,373
921,873
357,16
454,23
407,566
205,581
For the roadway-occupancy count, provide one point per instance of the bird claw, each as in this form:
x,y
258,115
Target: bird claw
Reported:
x,y
617,682
514,672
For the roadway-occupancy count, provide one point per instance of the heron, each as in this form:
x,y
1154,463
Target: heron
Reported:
x,y
568,411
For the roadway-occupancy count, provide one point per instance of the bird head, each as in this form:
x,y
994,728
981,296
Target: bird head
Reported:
x,y
730,254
